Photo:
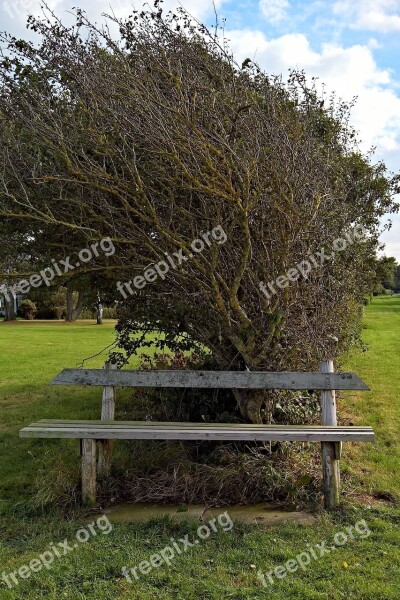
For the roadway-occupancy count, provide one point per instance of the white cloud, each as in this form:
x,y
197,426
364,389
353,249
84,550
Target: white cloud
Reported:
x,y
375,15
274,10
391,239
349,71
13,13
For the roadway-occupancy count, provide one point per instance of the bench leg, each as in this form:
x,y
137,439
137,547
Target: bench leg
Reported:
x,y
89,472
331,475
330,450
105,457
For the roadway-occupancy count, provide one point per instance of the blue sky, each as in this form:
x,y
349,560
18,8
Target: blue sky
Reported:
x,y
353,46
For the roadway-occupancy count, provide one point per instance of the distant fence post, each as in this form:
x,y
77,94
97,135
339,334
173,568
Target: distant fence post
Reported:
x,y
107,414
330,450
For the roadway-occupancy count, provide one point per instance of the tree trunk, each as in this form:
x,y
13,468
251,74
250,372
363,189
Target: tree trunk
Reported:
x,y
250,403
72,312
9,307
99,311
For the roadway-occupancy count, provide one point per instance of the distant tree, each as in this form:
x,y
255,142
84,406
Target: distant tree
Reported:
x,y
14,257
99,291
50,302
386,267
397,279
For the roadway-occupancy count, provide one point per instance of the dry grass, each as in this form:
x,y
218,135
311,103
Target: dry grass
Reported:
x,y
165,472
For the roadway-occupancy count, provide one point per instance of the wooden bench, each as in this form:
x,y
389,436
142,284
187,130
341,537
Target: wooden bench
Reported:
x,y
106,430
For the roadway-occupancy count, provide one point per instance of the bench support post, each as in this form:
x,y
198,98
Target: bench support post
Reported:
x,y
89,472
330,450
107,414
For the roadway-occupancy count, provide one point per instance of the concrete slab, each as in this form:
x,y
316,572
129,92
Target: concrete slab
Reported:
x,y
260,514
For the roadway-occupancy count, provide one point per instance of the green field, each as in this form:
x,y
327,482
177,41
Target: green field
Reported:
x,y
225,565
380,408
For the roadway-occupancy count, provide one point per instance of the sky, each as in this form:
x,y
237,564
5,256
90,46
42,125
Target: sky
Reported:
x,y
352,46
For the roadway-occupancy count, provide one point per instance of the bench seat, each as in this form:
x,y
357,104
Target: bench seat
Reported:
x,y
145,430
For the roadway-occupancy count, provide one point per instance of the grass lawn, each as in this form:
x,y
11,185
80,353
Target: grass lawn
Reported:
x,y
225,565
378,463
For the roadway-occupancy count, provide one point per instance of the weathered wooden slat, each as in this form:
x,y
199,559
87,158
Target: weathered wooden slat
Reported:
x,y
283,380
174,425
184,427
133,430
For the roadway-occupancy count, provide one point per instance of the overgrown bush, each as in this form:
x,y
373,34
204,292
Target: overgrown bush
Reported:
x,y
27,310
380,290
87,313
51,313
51,303
159,138
109,312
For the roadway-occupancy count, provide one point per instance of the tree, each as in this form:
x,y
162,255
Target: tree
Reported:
x,y
99,310
50,302
397,279
9,304
13,257
74,309
386,267
158,139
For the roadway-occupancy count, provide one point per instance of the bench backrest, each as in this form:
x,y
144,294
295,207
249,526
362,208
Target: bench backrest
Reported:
x,y
280,380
